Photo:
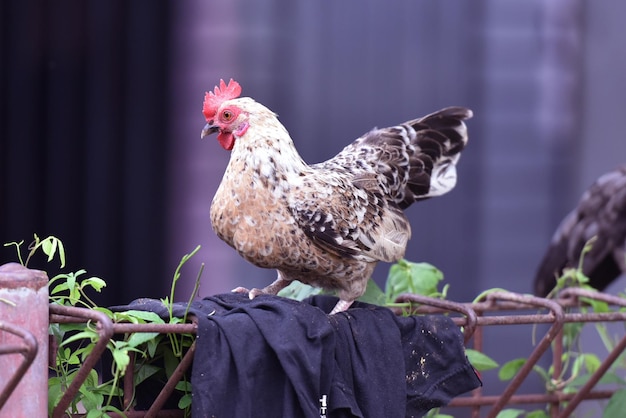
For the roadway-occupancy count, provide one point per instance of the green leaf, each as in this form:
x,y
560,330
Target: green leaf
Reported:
x,y
95,282
91,400
73,358
616,406
145,372
59,288
61,249
83,352
408,277
95,413
55,392
145,316
170,360
183,386
598,306
577,365
510,413
373,294
91,335
105,311
480,361
185,401
510,368
63,354
139,338
538,413
581,278
153,345
56,331
50,246
71,327
121,358
299,291
591,361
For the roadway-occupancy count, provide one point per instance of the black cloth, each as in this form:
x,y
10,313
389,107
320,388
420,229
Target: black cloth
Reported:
x,y
276,357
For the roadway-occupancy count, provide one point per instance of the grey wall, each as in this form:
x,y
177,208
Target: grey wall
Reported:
x,y
545,80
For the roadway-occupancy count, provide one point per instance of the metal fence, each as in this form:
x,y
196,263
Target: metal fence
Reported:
x,y
496,309
510,309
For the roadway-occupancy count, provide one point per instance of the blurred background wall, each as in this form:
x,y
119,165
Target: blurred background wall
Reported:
x,y
100,116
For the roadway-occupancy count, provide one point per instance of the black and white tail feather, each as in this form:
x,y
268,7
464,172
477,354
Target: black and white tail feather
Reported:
x,y
413,161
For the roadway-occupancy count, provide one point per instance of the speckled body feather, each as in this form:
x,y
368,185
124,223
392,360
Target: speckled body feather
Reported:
x,y
328,224
600,213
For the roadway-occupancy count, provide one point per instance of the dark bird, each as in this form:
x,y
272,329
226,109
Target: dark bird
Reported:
x,y
600,214
325,224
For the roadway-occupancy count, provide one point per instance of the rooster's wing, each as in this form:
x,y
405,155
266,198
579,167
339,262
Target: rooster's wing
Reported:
x,y
351,205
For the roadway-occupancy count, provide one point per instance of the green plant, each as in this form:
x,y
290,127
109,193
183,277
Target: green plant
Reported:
x,y
155,353
577,365
404,277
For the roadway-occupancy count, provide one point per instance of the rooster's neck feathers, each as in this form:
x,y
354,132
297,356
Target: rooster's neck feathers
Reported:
x,y
266,146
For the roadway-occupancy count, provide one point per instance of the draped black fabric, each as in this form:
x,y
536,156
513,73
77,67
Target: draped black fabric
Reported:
x,y
83,135
276,357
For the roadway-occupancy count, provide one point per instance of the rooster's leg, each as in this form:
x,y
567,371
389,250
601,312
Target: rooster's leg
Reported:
x,y
341,306
276,286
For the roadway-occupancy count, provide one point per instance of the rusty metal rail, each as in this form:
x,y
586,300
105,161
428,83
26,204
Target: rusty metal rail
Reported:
x,y
495,309
106,329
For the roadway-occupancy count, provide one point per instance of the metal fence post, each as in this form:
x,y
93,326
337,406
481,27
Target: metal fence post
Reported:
x,y
23,314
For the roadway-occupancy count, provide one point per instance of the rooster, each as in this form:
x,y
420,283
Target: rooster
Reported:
x,y
600,215
327,224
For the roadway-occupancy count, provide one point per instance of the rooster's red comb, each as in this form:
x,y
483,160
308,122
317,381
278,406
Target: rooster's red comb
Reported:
x,y
221,93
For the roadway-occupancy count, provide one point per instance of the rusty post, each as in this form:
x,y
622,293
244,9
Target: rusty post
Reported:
x,y
24,304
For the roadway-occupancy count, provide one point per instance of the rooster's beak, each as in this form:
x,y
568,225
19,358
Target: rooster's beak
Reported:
x,y
208,130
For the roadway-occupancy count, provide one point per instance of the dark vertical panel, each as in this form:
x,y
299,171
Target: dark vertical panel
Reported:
x,y
104,125
62,131
145,135
23,68
83,128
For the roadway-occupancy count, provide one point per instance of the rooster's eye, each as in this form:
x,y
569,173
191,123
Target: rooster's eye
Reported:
x,y
227,115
